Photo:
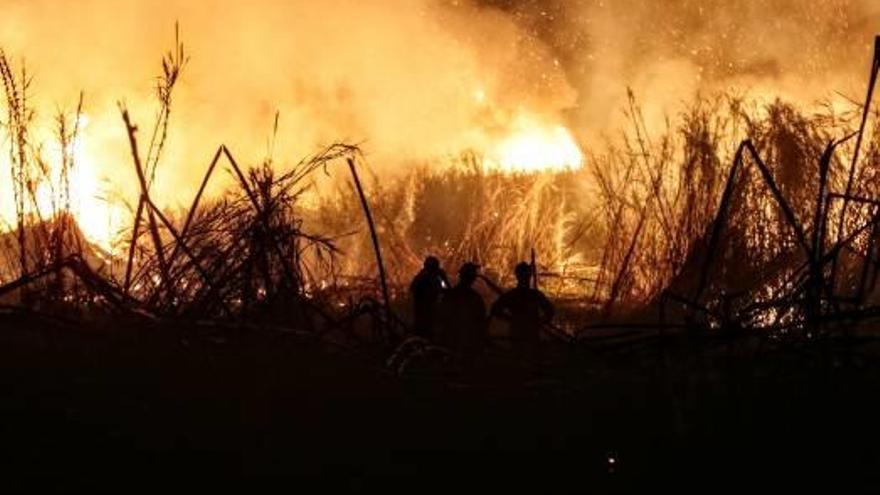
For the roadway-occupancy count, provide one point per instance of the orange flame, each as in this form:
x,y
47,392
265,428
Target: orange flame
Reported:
x,y
534,146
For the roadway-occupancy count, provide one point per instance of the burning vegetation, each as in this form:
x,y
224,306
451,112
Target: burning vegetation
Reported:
x,y
696,272
735,215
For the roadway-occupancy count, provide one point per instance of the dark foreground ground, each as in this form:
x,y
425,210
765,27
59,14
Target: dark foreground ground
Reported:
x,y
123,408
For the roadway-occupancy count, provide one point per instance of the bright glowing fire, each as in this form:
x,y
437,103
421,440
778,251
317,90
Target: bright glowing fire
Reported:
x,y
97,218
531,145
535,147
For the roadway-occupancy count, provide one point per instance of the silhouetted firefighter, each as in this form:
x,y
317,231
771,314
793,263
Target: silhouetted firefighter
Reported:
x,y
525,309
425,290
463,314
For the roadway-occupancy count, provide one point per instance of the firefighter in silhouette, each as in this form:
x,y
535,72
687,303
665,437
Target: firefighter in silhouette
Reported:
x,y
463,314
525,309
425,290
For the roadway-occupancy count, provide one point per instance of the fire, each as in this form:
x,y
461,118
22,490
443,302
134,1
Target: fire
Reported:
x,y
535,146
97,218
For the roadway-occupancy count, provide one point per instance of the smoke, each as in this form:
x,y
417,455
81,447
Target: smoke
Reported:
x,y
671,50
409,79
414,79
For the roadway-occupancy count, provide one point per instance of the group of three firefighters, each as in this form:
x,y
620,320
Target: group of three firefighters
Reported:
x,y
455,315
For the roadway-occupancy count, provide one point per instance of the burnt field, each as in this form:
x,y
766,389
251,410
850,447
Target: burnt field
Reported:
x,y
130,406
